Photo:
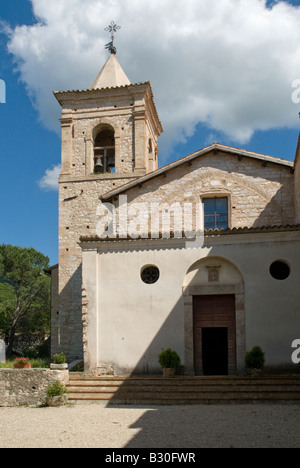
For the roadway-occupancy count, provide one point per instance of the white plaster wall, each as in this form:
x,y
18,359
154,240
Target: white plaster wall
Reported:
x,y
133,321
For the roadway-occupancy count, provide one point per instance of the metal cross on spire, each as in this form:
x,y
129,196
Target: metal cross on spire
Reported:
x,y
112,28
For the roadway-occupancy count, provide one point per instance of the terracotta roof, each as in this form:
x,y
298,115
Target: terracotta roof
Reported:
x,y
210,232
59,94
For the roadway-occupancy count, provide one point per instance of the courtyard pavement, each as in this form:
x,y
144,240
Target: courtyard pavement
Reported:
x,y
96,425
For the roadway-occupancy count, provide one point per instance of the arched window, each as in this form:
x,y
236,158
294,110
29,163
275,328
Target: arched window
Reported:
x,y
104,152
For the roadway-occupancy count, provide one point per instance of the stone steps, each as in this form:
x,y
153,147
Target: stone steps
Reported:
x,y
184,390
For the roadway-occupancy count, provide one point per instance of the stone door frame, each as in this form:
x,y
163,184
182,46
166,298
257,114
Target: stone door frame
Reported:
x,y
239,293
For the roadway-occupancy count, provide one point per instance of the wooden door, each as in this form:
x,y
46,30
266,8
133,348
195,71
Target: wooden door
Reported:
x,y
214,350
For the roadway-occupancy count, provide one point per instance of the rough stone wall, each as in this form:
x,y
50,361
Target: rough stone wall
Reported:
x,y
258,195
20,387
83,153
128,112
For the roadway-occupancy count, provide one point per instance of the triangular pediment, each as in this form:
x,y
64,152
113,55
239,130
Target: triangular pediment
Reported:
x,y
222,150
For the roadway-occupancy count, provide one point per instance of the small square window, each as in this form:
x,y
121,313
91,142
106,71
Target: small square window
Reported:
x,y
215,213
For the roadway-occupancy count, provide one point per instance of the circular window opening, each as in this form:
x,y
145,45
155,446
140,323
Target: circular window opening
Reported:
x,y
150,275
280,270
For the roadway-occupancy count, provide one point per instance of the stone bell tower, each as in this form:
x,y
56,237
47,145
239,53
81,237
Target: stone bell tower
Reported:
x,y
109,138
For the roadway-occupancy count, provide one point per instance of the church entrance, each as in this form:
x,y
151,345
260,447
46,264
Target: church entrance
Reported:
x,y
215,351
214,334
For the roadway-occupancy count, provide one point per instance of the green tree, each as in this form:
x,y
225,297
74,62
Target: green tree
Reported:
x,y
24,292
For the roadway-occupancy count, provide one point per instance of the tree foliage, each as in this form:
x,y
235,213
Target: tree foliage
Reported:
x,y
24,292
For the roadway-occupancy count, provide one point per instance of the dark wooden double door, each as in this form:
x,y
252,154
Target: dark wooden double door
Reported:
x,y
214,334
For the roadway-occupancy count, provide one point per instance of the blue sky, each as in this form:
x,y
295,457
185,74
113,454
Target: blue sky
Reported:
x,y
28,215
29,144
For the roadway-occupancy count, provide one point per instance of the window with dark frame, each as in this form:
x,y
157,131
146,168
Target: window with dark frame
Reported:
x,y
215,213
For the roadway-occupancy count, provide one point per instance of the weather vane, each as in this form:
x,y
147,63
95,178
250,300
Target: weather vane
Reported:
x,y
112,28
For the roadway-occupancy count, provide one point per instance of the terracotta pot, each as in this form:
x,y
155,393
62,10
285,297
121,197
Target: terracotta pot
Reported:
x,y
169,372
22,366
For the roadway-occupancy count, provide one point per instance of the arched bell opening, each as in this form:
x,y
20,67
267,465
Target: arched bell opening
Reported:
x,y
104,152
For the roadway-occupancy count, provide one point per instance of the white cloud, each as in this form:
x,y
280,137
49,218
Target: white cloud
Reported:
x,y
50,180
229,64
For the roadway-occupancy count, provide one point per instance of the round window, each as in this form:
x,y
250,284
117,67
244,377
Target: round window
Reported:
x,y
150,274
280,270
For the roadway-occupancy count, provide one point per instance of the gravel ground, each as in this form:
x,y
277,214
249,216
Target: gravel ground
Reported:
x,y
204,426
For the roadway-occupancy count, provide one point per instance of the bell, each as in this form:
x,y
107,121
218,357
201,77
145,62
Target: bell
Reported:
x,y
98,165
111,162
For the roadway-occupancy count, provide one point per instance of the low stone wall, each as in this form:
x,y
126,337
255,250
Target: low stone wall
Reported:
x,y
19,387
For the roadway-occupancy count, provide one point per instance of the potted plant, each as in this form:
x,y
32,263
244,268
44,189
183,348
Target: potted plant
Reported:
x,y
57,394
169,361
60,362
22,363
255,360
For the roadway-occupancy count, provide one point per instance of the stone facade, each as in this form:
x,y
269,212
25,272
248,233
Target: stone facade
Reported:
x,y
105,313
259,193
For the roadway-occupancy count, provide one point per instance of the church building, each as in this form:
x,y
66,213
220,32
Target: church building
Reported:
x,y
132,280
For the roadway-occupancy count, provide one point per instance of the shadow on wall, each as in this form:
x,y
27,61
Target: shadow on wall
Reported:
x,y
66,326
278,212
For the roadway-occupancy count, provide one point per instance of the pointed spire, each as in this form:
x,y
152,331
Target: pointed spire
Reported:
x,y
111,75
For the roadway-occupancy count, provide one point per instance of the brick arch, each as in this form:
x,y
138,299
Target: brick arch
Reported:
x,y
214,276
